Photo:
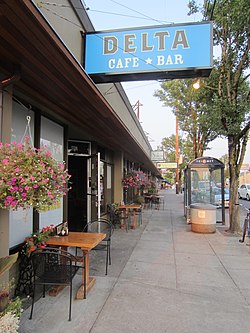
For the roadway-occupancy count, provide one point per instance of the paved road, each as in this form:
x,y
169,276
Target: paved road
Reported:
x,y
244,203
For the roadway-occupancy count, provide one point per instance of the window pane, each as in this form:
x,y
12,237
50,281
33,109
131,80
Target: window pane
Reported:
x,y
52,139
21,221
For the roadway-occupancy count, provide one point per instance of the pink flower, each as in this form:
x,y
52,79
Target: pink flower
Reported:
x,y
14,203
61,166
34,167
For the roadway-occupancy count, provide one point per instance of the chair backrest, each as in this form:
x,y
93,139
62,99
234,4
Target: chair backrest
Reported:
x,y
156,200
101,226
111,210
49,260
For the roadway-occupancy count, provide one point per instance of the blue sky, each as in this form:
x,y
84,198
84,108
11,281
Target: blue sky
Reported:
x,y
157,121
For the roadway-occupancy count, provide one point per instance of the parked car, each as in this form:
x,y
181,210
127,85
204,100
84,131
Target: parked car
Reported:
x,y
244,191
218,197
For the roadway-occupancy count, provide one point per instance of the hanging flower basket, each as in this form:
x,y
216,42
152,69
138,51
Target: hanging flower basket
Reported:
x,y
134,179
30,177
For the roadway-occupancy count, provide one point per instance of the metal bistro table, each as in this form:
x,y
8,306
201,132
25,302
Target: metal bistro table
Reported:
x,y
133,207
86,241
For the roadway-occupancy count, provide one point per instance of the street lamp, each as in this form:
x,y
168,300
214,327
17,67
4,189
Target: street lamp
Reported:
x,y
196,84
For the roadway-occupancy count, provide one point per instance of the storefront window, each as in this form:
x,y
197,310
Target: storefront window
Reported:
x,y
21,221
52,137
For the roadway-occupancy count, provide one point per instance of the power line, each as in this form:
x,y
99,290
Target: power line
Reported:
x,y
124,15
133,10
56,14
96,35
104,12
108,92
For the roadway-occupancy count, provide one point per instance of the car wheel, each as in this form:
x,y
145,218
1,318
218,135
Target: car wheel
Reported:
x,y
247,197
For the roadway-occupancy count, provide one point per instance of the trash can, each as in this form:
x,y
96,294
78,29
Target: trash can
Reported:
x,y
203,218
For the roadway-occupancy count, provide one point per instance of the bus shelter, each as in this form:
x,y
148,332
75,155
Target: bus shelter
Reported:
x,y
204,185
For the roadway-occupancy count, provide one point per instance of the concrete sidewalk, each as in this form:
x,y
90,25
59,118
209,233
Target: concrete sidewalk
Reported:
x,y
163,278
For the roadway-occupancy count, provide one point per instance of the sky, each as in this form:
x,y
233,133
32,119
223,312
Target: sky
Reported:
x,y
157,120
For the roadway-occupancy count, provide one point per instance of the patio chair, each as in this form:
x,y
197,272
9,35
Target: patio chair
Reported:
x,y
147,201
53,266
138,213
106,227
114,215
155,202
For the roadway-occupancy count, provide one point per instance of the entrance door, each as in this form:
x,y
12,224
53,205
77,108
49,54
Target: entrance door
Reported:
x,y
77,196
94,192
84,198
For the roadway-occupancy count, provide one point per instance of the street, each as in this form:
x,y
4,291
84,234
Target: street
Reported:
x,y
244,203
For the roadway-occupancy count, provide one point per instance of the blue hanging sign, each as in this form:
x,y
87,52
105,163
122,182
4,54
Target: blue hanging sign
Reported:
x,y
169,51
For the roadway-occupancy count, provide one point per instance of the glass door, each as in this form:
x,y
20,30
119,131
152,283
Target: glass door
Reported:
x,y
94,187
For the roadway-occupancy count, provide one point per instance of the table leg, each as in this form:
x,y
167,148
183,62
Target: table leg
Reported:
x,y
90,281
124,224
134,219
55,290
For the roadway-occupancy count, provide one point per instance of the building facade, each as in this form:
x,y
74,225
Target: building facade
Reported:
x,y
93,128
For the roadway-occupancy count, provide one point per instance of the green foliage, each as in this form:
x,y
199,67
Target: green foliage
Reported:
x,y
15,307
185,148
231,23
193,110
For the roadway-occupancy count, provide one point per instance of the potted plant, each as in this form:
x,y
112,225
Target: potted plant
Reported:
x,y
131,179
37,240
30,177
10,318
31,243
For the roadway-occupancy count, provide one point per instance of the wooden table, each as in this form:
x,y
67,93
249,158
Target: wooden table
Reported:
x,y
159,198
147,199
133,207
84,240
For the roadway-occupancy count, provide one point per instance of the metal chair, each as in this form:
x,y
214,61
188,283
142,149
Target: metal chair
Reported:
x,y
147,201
138,213
155,202
114,215
106,227
53,266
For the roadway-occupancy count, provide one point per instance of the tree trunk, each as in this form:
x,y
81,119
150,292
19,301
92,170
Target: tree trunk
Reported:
x,y
234,212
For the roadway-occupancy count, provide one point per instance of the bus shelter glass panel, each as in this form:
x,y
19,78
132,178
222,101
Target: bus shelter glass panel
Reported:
x,y
206,186
204,183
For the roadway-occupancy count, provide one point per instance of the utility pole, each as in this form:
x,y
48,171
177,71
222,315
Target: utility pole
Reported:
x,y
177,151
136,108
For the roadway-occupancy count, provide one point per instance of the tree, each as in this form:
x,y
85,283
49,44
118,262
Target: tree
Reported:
x,y
232,36
168,145
191,107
